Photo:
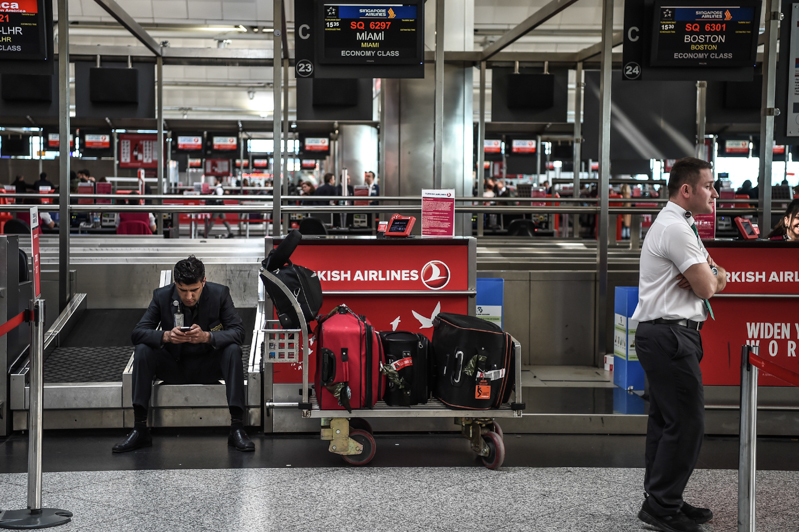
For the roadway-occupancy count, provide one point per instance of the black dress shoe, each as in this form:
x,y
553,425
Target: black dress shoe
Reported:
x,y
697,515
678,522
239,439
137,439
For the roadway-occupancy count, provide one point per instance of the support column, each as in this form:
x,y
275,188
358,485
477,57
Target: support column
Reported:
x,y
481,137
578,139
438,135
63,154
768,113
701,119
159,116
277,83
604,178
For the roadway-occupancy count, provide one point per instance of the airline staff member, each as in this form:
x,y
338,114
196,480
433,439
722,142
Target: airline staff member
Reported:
x,y
677,277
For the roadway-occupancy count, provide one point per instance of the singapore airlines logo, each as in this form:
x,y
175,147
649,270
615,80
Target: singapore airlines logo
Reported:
x,y
727,15
435,275
391,13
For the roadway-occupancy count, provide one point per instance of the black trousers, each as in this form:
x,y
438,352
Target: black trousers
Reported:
x,y
670,356
149,363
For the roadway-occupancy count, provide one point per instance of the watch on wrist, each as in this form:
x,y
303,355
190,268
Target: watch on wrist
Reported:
x,y
714,270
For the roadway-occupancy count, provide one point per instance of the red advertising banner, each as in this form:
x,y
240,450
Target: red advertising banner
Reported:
x,y
37,284
20,6
138,151
767,322
217,167
706,224
736,146
523,146
492,146
430,271
225,143
438,213
53,141
260,163
97,141
195,163
190,143
317,144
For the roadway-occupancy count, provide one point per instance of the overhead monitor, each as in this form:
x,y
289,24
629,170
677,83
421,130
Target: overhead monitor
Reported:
x,y
190,142
23,30
711,33
370,33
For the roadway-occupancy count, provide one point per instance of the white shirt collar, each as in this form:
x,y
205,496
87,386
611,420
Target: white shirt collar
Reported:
x,y
679,211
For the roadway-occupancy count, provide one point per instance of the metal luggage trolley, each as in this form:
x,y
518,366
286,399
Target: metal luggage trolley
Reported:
x,y
351,435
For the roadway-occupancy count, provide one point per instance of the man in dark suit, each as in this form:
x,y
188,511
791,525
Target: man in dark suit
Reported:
x,y
208,351
326,189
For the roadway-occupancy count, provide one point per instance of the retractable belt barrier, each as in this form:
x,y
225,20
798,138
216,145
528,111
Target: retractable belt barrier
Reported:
x,y
34,516
751,363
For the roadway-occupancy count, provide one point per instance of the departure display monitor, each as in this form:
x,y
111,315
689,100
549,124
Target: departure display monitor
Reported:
x,y
708,33
22,30
378,34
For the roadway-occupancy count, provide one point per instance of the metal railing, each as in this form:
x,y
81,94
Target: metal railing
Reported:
x,y
751,363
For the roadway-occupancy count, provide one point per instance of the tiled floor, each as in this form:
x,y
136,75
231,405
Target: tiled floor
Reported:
x,y
374,498
190,480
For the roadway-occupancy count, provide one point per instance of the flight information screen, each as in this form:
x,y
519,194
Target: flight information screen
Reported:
x,y
22,30
380,34
708,34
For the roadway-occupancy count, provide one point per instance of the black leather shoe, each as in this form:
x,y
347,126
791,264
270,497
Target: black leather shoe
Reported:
x,y
678,522
697,515
239,439
137,439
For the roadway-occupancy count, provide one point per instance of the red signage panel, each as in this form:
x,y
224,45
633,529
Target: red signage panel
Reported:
x,y
138,151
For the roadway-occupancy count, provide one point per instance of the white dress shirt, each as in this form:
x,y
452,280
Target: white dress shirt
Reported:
x,y
670,248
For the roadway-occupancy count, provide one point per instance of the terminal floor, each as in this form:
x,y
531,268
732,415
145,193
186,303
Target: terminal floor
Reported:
x,y
190,480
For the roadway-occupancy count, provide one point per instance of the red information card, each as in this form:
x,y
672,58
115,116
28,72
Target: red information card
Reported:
x,y
438,213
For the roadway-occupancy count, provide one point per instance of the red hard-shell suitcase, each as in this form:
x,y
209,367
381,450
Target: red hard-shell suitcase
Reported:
x,y
349,355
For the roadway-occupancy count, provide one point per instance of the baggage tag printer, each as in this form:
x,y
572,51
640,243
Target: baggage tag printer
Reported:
x,y
397,226
748,230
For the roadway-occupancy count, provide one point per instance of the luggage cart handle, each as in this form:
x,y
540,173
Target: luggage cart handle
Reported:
x,y
306,352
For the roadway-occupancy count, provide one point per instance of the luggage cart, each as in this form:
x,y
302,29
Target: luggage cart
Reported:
x,y
350,434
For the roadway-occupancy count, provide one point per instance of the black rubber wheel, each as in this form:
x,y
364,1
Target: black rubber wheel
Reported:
x,y
498,430
368,443
496,451
359,423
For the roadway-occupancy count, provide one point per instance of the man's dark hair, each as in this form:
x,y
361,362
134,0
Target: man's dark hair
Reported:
x,y
85,172
43,175
687,170
329,178
189,271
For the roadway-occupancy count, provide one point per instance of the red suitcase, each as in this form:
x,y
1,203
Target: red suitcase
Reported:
x,y
349,354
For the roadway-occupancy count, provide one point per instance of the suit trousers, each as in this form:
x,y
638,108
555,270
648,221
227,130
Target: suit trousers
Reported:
x,y
670,356
206,368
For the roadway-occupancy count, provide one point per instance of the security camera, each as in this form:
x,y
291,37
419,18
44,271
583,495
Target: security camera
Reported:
x,y
251,94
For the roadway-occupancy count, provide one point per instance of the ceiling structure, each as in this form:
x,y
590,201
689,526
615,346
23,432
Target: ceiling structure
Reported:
x,y
245,92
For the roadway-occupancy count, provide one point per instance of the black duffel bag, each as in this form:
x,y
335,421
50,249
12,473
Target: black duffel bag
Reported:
x,y
406,367
474,362
301,281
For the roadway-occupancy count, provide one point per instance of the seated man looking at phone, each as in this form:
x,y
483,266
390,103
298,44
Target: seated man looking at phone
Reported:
x,y
200,343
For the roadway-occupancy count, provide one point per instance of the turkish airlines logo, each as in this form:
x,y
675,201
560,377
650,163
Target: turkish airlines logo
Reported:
x,y
435,275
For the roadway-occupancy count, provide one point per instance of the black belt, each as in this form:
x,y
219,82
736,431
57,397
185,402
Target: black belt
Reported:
x,y
695,325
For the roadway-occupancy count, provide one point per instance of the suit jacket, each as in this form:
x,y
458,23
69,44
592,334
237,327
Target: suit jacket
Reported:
x,y
216,314
325,190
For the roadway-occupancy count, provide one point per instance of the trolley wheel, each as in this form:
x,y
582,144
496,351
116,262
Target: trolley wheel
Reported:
x,y
359,423
368,442
496,450
498,430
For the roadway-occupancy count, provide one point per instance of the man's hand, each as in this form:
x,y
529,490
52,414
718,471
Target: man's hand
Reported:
x,y
197,336
682,282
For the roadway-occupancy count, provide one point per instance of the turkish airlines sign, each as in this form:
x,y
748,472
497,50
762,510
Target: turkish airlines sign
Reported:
x,y
387,267
190,143
759,270
97,141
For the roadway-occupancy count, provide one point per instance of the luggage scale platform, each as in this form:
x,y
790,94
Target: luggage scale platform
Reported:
x,y
350,434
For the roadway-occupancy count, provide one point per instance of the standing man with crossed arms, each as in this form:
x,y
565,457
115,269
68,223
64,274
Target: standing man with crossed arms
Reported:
x,y
677,278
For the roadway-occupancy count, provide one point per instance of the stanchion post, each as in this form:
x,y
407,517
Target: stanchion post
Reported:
x,y
748,442
35,516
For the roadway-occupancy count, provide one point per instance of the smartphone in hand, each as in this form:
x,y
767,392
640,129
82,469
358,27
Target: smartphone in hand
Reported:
x,y
185,329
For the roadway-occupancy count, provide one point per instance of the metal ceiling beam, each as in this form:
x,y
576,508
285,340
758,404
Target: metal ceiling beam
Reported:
x,y
532,22
596,49
121,16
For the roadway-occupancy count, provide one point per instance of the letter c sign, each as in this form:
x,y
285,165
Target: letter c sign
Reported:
x,y
304,31
630,36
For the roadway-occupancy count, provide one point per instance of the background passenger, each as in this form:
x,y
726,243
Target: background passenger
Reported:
x,y
788,226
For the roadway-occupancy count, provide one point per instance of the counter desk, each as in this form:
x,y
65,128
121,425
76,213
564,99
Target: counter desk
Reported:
x,y
398,284
757,307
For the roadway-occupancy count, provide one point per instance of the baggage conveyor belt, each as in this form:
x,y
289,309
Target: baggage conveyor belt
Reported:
x,y
86,355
